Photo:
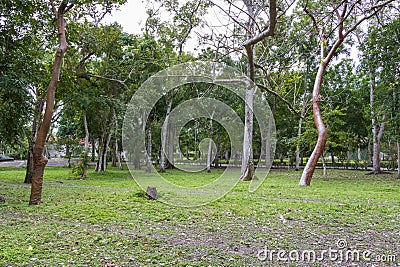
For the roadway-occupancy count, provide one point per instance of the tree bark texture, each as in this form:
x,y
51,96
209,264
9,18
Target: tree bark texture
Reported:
x,y
377,129
164,135
398,159
35,123
86,145
40,161
342,14
299,129
209,154
149,149
322,133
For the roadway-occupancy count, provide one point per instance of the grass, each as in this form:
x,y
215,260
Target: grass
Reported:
x,y
106,220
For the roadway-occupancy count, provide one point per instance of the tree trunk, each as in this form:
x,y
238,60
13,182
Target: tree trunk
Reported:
x,y
302,114
29,164
102,160
149,149
247,158
323,165
209,153
170,146
85,146
377,130
218,152
36,119
348,157
322,133
67,153
164,136
398,159
113,155
40,161
196,130
118,155
247,168
93,156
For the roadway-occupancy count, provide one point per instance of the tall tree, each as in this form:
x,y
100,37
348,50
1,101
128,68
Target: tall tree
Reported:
x,y
343,17
22,39
39,160
380,57
59,13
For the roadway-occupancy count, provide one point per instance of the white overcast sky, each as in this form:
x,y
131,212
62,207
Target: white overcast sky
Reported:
x,y
132,16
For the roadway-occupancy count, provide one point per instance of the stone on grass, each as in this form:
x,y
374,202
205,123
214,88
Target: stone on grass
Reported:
x,y
151,193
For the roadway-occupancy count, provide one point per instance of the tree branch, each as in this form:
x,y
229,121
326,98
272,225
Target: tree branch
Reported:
x,y
270,31
378,7
289,105
235,20
312,17
86,75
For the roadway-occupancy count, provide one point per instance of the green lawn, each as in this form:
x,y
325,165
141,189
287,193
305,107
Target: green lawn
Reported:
x,y
106,221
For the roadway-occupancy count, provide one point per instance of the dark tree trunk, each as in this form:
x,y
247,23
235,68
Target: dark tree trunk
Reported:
x,y
36,119
102,161
114,155
93,158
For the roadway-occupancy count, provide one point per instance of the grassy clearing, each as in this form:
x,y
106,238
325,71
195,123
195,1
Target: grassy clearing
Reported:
x,y
106,221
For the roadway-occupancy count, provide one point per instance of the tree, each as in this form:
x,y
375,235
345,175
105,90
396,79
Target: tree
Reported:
x,y
344,18
39,160
22,40
380,57
253,10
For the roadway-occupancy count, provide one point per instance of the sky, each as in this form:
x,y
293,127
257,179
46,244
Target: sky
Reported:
x,y
132,16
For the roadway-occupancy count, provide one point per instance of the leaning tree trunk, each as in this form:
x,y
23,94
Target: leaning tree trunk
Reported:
x,y
322,133
40,161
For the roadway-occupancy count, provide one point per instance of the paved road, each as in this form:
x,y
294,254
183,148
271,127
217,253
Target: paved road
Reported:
x,y
22,163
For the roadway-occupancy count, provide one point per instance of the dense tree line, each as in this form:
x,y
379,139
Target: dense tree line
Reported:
x,y
329,70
